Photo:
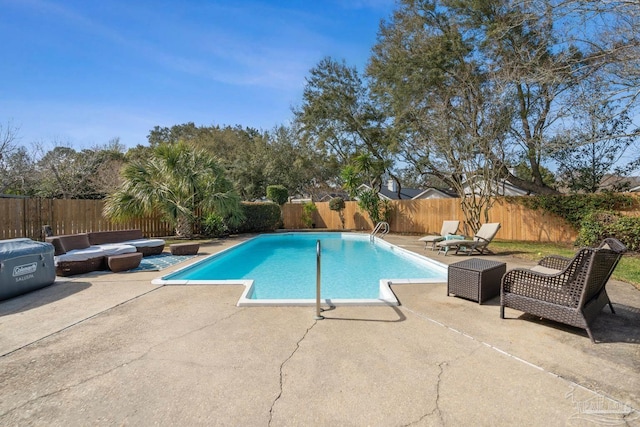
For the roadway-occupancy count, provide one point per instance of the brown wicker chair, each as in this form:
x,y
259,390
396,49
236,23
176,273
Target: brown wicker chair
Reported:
x,y
566,290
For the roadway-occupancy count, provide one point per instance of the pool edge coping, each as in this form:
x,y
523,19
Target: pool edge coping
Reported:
x,y
386,295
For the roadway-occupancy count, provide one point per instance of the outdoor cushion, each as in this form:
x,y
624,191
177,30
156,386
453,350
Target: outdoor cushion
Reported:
x,y
128,237
116,249
80,255
545,270
75,241
144,243
448,228
66,243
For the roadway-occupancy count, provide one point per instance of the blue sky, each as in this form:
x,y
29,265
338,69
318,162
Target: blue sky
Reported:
x,y
81,72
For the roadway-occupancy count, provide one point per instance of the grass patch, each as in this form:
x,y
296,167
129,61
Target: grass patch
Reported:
x,y
628,270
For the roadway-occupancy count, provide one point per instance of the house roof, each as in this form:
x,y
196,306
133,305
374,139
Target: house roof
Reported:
x,y
618,183
405,193
504,188
411,193
434,193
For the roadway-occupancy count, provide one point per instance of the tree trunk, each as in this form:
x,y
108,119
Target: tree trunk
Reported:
x,y
184,227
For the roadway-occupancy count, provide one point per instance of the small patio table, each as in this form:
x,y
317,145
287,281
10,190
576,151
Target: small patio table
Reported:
x,y
445,249
475,279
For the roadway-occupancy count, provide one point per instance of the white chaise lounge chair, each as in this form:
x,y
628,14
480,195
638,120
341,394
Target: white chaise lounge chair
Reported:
x,y
448,227
479,243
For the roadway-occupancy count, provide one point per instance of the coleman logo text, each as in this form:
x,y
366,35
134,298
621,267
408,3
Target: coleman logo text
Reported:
x,y
21,270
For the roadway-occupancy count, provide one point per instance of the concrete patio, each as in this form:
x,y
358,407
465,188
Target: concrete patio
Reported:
x,y
113,349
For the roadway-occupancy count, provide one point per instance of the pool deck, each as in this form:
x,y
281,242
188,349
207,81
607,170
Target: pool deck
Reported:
x,y
113,349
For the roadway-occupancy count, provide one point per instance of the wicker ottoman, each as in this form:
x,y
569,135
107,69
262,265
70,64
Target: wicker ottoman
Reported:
x,y
124,262
184,248
476,279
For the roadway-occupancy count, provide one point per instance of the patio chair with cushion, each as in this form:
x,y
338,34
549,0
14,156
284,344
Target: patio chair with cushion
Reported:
x,y
478,243
448,227
566,290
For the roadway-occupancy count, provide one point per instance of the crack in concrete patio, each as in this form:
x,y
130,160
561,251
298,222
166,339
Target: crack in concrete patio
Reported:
x,y
569,381
282,367
439,379
436,408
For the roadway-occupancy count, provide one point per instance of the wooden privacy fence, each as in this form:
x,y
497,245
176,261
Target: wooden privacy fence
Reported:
x,y
25,218
426,216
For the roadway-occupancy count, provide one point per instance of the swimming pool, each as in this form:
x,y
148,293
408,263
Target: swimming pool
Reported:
x,y
280,269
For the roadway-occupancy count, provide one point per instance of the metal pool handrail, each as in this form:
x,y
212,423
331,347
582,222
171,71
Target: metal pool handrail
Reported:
x,y
382,228
318,257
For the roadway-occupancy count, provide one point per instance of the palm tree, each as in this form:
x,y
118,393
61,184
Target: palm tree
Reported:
x,y
175,181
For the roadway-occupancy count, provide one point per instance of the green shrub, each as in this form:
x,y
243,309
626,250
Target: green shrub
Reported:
x,y
278,193
598,225
307,214
378,209
336,204
213,225
259,217
593,215
627,230
595,227
576,207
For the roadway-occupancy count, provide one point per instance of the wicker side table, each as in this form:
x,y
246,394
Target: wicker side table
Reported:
x,y
124,262
475,279
184,248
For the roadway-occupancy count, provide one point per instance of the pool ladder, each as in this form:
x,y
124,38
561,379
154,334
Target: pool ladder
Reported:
x,y
382,228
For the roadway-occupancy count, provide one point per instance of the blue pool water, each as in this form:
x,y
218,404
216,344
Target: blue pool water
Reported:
x,y
283,267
